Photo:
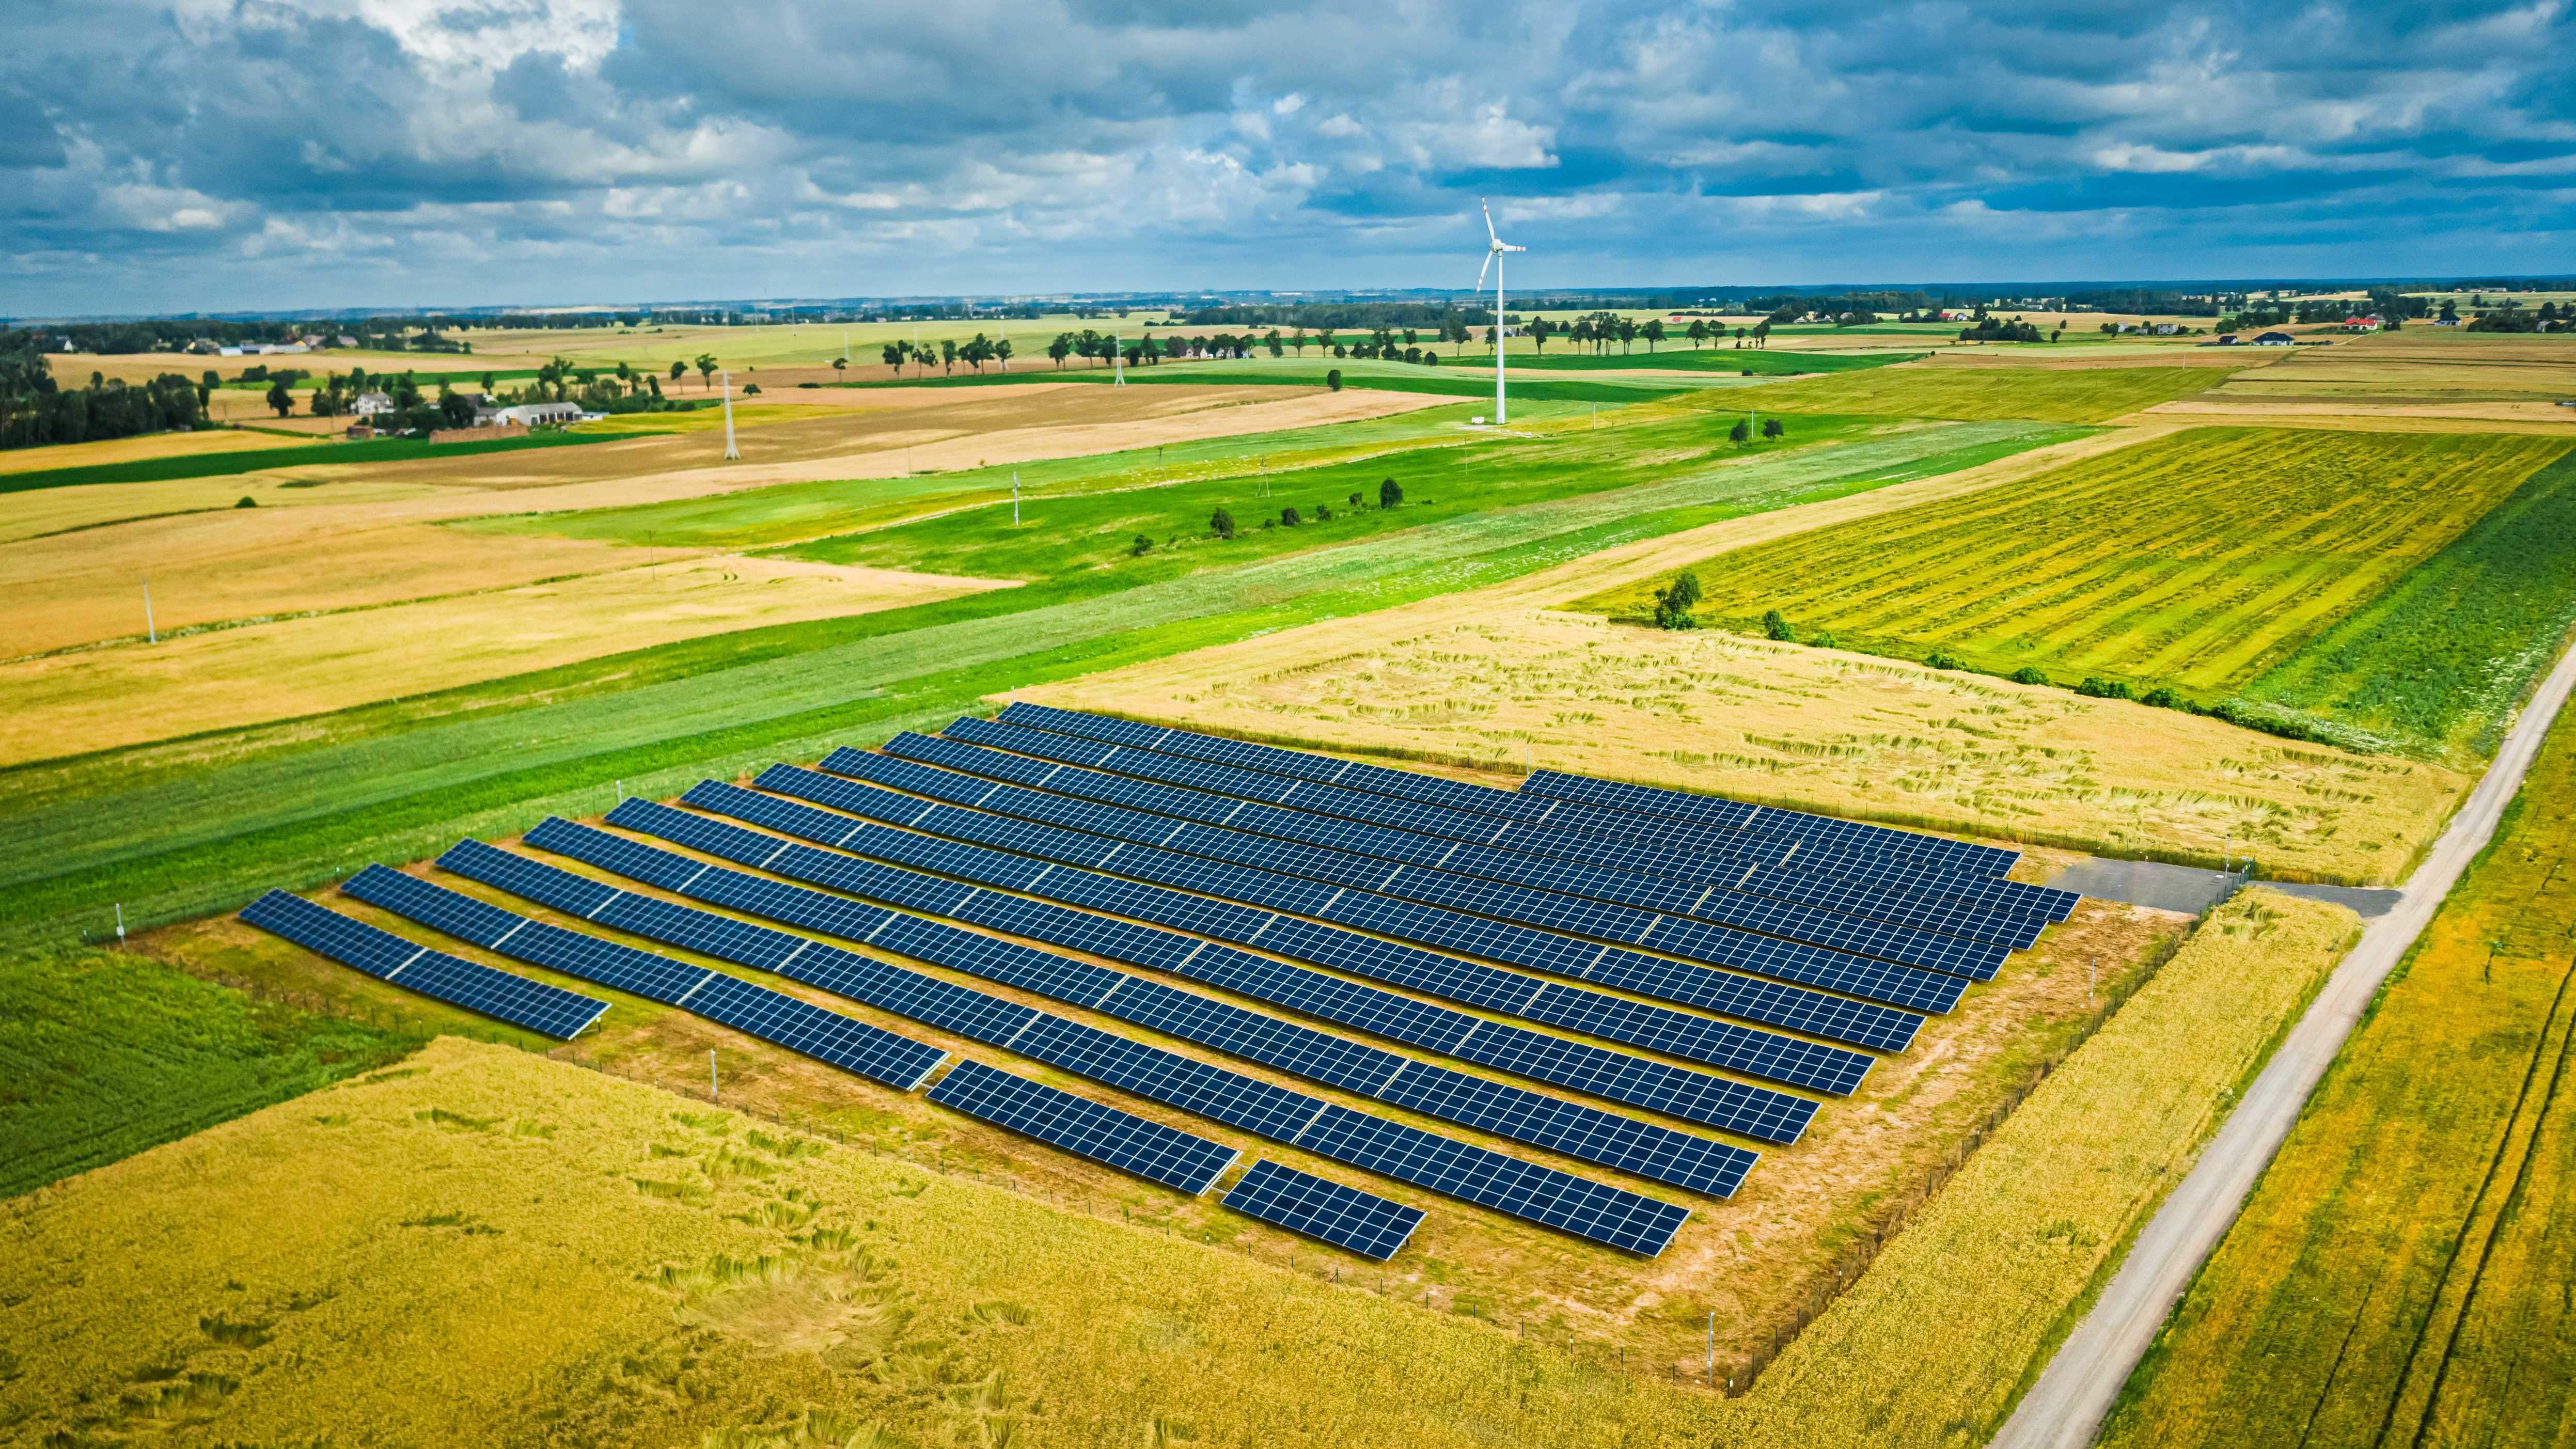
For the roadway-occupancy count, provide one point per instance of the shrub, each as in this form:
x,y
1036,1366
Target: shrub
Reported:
x,y
247,502
1333,379
1289,517
1825,640
1389,494
1357,502
1742,432
2029,674
2096,687
1776,626
2164,696
1323,513
1944,659
1141,547
1771,428
1222,524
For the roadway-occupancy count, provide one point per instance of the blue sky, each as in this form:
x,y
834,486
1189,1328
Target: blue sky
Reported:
x,y
291,153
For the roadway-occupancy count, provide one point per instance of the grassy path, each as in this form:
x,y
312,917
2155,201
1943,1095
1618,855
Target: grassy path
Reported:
x,y
176,841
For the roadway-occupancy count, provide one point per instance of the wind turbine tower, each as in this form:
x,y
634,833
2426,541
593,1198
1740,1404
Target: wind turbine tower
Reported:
x,y
1494,248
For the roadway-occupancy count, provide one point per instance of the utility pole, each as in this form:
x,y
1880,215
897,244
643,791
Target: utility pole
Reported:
x,y
1015,498
731,452
148,628
711,1076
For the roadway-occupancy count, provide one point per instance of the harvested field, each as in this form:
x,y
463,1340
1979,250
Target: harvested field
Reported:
x,y
2200,560
2401,1274
128,450
233,566
1928,390
1812,728
98,699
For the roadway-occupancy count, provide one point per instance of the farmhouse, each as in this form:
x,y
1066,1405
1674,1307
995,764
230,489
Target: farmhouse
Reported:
x,y
530,415
2276,339
371,403
2361,324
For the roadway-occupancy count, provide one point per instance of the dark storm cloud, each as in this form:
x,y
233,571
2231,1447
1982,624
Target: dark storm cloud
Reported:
x,y
208,154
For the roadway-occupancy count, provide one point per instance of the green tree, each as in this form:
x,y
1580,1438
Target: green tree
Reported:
x,y
1653,332
1389,493
1627,328
1141,547
706,369
893,355
947,356
1742,432
1539,330
678,370
1221,523
1698,333
279,398
1288,516
1333,379
1674,602
840,364
1771,428
1777,627
1060,349
1002,353
1274,342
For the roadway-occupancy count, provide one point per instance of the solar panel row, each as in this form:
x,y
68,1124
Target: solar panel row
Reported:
x,y
1512,864
1707,925
1579,1131
478,988
1469,983
1304,1203
1721,828
1502,941
773,1016
1721,867
1540,1194
1766,820
1086,1128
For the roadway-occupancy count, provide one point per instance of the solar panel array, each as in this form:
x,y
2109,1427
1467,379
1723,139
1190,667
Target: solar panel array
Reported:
x,y
1864,854
773,1016
1086,1128
387,957
1539,1194
1469,983
1708,925
1886,982
1035,759
1521,1115
1304,1203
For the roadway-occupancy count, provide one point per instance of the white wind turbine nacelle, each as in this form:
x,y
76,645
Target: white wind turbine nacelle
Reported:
x,y
1495,246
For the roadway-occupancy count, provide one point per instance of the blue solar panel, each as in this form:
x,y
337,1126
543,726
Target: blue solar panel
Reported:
x,y
1302,1203
1593,1136
1085,1128
1540,1194
1523,1115
1717,1043
1537,891
1707,851
799,1026
388,957
1679,805
1452,929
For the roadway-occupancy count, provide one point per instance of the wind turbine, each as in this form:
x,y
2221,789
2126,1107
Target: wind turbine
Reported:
x,y
1494,249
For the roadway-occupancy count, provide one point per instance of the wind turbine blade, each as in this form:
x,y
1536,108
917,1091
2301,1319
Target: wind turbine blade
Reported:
x,y
1507,246
1480,271
1489,221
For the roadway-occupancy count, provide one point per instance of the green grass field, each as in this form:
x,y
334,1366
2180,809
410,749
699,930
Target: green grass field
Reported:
x,y
105,1054
191,826
1682,357
2077,395
793,512
220,465
2442,658
2402,1273
2201,560
1464,377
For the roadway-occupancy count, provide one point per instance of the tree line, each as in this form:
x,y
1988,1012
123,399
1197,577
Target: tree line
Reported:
x,y
36,411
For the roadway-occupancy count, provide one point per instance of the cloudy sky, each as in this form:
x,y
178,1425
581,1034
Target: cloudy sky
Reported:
x,y
395,152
